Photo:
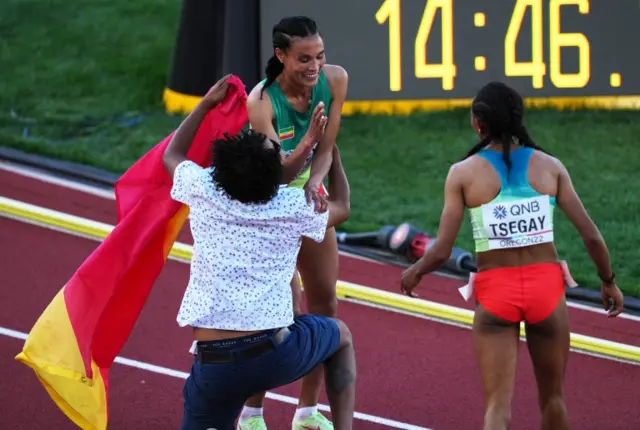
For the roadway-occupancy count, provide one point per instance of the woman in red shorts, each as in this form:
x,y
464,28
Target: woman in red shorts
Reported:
x,y
510,187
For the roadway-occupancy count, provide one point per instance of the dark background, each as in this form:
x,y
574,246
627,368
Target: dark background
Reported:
x,y
354,40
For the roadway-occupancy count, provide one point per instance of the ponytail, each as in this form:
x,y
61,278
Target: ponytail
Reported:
x,y
272,71
500,109
483,111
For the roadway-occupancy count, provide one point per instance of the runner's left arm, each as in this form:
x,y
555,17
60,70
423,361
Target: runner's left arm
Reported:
x,y
322,159
450,223
178,147
339,204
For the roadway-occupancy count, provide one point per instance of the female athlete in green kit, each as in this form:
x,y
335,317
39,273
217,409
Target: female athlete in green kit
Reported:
x,y
299,105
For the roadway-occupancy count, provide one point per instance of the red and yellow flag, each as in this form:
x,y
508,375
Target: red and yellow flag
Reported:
x,y
75,341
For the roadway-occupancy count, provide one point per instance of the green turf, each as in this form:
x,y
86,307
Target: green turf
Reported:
x,y
83,80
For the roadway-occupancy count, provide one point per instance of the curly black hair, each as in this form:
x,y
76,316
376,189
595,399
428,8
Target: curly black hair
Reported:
x,y
247,167
500,110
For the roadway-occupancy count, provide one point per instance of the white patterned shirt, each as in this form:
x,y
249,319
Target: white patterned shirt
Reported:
x,y
244,256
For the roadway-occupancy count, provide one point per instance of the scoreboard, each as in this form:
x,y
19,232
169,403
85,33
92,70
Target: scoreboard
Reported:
x,y
403,55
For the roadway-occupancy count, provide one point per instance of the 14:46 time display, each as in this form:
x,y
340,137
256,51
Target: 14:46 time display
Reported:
x,y
446,70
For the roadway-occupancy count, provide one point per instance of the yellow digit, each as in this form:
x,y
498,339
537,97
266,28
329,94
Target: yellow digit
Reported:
x,y
446,69
536,67
558,40
390,10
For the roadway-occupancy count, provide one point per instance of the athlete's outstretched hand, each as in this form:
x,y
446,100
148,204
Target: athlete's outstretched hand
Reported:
x,y
310,140
410,279
611,291
316,126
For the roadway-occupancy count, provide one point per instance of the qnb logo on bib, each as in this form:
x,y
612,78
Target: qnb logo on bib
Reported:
x,y
519,223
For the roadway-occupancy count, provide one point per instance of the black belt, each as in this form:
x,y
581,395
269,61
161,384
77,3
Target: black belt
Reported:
x,y
238,349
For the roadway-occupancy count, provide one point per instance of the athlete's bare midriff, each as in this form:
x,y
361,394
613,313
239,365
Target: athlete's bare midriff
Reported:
x,y
208,334
543,253
482,185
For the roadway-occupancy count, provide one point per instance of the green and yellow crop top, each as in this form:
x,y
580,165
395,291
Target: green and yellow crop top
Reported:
x,y
292,125
519,216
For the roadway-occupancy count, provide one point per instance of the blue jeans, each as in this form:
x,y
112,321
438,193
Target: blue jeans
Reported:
x,y
214,393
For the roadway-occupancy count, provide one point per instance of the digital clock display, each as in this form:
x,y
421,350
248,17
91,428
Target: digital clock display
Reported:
x,y
402,55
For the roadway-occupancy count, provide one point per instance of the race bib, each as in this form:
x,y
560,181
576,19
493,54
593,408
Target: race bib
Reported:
x,y
520,223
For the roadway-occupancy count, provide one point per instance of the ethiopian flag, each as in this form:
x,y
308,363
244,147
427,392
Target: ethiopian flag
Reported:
x,y
78,336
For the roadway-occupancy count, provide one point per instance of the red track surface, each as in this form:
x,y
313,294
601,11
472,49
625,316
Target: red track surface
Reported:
x,y
410,370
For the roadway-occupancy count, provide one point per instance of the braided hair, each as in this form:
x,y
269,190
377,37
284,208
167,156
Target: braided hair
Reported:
x,y
500,110
282,38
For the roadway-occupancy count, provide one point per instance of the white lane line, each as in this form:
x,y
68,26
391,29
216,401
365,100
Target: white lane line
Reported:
x,y
467,327
50,179
161,370
109,194
346,299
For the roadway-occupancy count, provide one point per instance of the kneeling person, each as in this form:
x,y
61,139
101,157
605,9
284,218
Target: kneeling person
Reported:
x,y
247,232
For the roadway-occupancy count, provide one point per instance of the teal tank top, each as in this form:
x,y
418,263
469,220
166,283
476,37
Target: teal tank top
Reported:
x,y
519,216
291,125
